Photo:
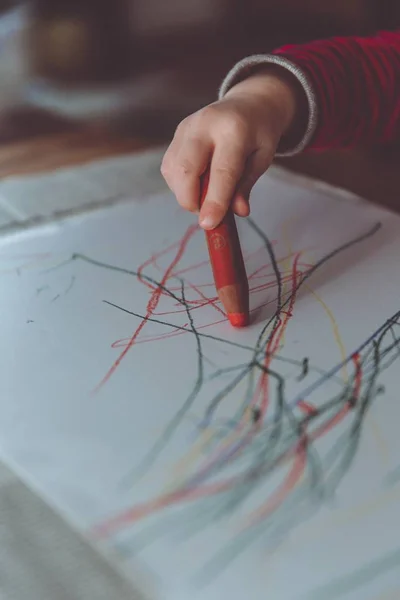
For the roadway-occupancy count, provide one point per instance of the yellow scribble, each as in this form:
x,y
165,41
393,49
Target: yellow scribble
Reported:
x,y
184,465
179,472
335,330
376,432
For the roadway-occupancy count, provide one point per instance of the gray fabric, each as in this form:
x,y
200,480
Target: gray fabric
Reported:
x,y
6,476
248,65
41,558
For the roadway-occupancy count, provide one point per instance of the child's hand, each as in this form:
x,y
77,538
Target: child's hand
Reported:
x,y
238,135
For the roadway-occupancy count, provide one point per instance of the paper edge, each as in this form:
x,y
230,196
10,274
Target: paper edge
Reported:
x,y
153,155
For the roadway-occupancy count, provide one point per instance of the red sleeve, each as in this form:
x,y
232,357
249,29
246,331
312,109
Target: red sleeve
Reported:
x,y
357,86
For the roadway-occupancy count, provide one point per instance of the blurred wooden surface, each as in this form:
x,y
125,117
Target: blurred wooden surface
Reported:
x,y
51,151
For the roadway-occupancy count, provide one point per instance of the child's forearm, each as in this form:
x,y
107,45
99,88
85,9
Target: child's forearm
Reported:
x,y
351,84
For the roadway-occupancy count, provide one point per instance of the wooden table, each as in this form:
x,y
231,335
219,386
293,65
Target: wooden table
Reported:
x,y
34,142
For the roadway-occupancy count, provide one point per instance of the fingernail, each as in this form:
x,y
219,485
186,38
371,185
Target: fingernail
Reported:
x,y
207,222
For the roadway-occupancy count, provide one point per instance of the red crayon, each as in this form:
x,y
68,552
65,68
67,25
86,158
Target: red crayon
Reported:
x,y
228,266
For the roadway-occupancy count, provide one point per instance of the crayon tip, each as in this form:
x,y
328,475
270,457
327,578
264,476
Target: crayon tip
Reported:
x,y
238,319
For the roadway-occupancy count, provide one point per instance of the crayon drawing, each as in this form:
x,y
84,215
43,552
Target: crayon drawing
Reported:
x,y
238,439
269,432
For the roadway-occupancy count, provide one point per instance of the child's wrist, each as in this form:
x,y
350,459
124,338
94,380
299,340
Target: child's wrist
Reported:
x,y
284,96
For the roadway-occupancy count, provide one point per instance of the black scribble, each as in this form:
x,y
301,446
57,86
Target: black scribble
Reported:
x,y
245,446
178,417
42,289
304,369
256,414
70,285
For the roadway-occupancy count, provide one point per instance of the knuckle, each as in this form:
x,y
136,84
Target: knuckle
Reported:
x,y
206,119
227,120
183,126
164,164
234,125
184,168
191,126
165,168
208,112
226,172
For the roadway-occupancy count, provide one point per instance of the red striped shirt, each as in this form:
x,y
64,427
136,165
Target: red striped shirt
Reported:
x,y
357,86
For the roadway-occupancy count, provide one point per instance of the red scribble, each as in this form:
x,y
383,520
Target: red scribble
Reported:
x,y
298,453
290,482
274,342
307,408
151,305
153,258
141,511
208,301
329,425
336,419
205,301
124,342
192,268
189,494
358,375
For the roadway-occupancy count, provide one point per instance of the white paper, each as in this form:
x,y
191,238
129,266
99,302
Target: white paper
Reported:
x,y
310,507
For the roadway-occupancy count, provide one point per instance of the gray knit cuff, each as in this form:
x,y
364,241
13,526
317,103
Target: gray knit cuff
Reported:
x,y
247,66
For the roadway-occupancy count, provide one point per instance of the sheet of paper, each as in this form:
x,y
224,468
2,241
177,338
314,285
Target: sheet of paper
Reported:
x,y
261,462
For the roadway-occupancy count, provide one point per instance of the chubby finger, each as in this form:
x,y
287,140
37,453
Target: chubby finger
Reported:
x,y
241,205
256,166
226,170
184,168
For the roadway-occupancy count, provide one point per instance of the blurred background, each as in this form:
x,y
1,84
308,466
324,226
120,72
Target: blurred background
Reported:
x,y
114,75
